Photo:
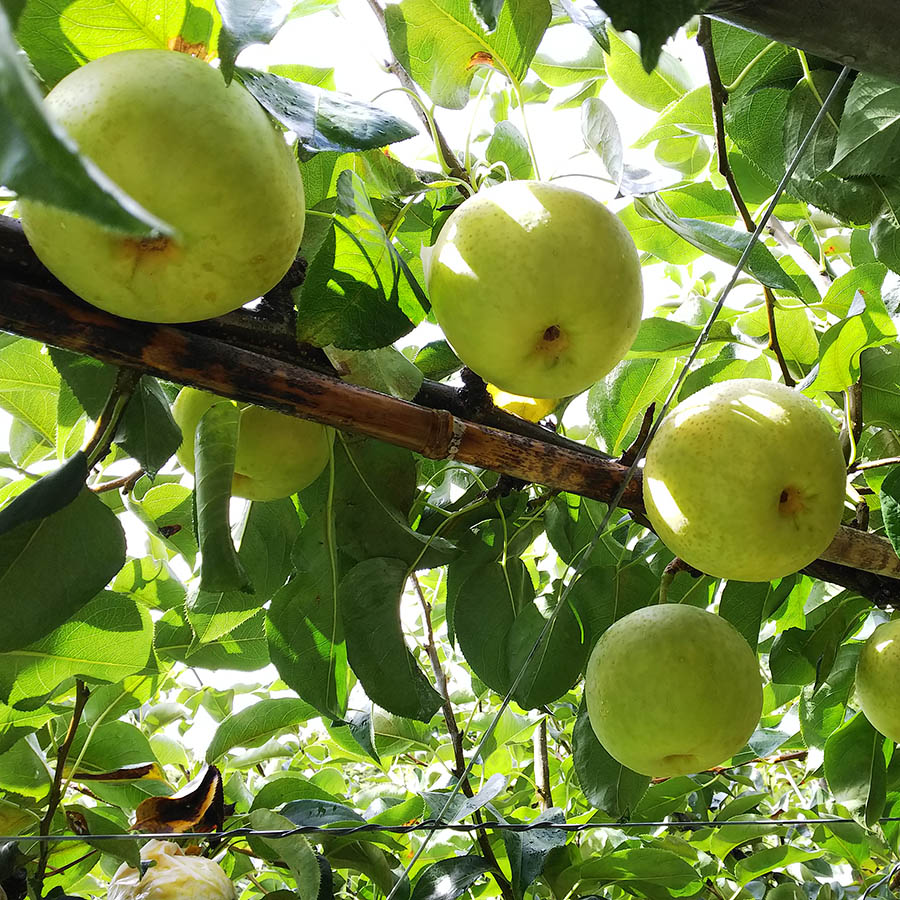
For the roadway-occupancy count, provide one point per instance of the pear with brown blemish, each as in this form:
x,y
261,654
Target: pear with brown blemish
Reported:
x,y
201,156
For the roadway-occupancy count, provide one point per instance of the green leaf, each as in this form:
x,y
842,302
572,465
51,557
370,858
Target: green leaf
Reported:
x,y
385,370
215,445
244,649
617,402
87,546
266,542
39,161
498,621
605,782
654,21
108,639
17,723
29,386
322,119
306,643
823,706
880,379
568,54
867,324
253,726
57,42
416,27
294,850
656,89
868,141
855,768
449,878
890,506
358,293
601,133
743,604
764,861
690,114
243,26
668,337
147,430
437,360
723,243
125,849
644,871
528,850
47,495
508,145
699,201
369,597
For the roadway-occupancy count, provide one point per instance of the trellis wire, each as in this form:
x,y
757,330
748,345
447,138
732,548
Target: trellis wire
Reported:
x,y
629,474
430,826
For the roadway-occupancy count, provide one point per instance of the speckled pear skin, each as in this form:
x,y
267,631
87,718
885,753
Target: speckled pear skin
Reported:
x,y
672,690
202,157
745,479
277,455
537,287
878,679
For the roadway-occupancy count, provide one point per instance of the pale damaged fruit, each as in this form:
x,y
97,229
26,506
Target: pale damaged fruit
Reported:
x,y
531,408
175,876
200,156
672,690
745,480
276,455
877,678
537,287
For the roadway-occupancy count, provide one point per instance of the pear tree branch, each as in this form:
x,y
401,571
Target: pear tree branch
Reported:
x,y
437,424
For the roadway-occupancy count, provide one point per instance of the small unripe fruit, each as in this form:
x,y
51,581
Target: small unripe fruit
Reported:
x,y
202,157
276,455
877,678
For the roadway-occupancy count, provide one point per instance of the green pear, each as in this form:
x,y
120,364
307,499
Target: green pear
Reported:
x,y
877,678
537,287
203,157
276,455
745,480
672,690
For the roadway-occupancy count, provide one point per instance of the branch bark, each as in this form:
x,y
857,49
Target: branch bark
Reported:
x,y
857,33
186,355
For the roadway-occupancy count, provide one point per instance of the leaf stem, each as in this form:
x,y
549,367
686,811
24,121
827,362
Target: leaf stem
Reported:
x,y
110,416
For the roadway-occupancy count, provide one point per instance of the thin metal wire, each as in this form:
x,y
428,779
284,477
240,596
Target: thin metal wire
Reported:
x,y
432,825
629,474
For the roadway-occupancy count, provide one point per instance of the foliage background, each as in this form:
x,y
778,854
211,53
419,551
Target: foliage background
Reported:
x,y
395,599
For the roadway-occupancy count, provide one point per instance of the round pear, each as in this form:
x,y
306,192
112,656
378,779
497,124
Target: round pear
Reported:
x,y
877,678
202,157
276,455
672,690
745,479
537,287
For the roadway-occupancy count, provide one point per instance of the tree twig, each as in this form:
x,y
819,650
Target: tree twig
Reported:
x,y
719,98
875,463
452,164
55,797
126,482
542,765
456,739
110,416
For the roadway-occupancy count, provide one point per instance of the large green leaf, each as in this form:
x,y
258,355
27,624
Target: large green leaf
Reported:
x,y
369,597
106,640
61,35
449,878
294,850
253,726
527,851
323,119
605,782
855,768
416,27
358,292
243,649
869,138
243,25
644,871
266,542
87,546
